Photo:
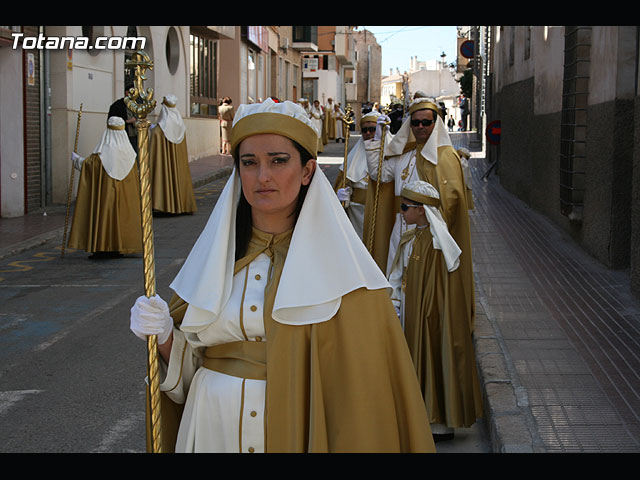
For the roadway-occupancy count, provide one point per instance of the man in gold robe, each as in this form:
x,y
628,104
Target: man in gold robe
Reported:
x,y
352,188
422,150
107,220
435,324
171,184
330,119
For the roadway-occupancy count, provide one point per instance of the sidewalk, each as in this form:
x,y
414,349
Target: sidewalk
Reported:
x,y
557,334
45,225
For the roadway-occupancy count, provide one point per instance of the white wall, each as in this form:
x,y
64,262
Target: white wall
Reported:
x,y
11,134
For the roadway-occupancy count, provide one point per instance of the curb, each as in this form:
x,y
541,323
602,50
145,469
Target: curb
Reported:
x,y
508,420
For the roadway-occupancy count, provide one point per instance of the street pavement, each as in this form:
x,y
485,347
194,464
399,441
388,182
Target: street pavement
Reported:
x,y
556,332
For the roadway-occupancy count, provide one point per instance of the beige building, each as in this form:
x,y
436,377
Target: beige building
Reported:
x,y
368,70
328,63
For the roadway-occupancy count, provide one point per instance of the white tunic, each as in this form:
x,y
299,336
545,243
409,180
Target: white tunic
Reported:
x,y
222,413
400,169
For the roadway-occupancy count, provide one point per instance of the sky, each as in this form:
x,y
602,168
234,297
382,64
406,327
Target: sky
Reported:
x,y
399,43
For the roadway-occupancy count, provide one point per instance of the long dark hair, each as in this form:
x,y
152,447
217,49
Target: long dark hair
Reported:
x,y
244,221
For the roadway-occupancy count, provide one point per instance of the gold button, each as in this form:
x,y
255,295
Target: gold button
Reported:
x,y
258,277
253,308
444,182
251,449
254,413
258,339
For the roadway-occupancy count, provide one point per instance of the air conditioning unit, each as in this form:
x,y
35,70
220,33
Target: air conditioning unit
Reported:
x,y
284,43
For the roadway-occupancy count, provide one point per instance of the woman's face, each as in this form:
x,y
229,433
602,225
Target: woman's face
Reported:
x,y
271,174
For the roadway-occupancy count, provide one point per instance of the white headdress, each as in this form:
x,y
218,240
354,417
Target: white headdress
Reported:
x,y
115,150
426,194
326,258
438,138
170,120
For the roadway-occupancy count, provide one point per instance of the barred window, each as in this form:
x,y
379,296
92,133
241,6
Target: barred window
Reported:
x,y
203,78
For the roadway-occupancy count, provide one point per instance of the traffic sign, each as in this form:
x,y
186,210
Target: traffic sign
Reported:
x,y
467,49
493,132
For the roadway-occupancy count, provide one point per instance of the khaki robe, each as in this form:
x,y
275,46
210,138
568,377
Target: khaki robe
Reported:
x,y
344,385
171,184
447,176
438,335
107,214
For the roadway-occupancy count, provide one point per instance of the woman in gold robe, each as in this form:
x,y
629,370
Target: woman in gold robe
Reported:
x,y
106,220
171,183
281,336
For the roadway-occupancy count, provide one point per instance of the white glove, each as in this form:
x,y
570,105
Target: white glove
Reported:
x,y
150,316
344,194
380,124
76,160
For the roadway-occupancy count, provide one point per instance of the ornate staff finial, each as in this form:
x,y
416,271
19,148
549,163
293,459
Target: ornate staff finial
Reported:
x,y
140,62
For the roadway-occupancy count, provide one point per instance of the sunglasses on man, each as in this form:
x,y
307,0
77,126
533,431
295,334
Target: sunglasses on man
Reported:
x,y
368,129
404,207
425,122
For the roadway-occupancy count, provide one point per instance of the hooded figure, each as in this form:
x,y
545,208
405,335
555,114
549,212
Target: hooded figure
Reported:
x,y
107,219
171,184
281,336
434,320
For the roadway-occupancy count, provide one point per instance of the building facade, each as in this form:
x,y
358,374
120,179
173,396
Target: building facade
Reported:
x,y
44,82
328,63
368,56
567,101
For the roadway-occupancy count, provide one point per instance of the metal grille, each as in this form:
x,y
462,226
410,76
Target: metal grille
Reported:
x,y
573,126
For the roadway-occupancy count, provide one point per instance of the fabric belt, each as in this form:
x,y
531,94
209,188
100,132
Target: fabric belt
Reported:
x,y
359,195
244,359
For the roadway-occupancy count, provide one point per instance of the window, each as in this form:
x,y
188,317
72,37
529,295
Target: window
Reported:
x,y
172,50
306,34
527,43
252,77
203,79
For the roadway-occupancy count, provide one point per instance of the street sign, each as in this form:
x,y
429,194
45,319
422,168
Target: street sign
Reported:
x,y
493,132
467,49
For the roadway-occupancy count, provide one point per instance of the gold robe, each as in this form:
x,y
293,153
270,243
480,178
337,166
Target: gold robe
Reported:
x,y
344,385
331,122
107,214
447,176
171,184
438,335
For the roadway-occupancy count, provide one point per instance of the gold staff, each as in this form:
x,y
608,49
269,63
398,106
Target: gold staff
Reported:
x,y
66,218
348,121
140,103
375,203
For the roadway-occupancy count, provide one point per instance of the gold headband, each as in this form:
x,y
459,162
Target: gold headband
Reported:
x,y
115,127
276,123
426,105
419,197
167,103
369,118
